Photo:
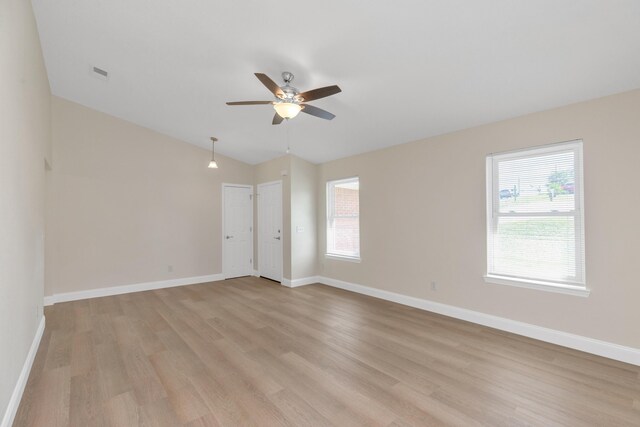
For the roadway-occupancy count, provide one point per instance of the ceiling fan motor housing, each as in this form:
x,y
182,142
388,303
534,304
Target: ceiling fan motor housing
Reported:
x,y
289,91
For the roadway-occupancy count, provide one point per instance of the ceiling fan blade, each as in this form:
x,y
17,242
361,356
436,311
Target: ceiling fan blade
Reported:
x,y
277,119
249,102
270,84
322,92
318,112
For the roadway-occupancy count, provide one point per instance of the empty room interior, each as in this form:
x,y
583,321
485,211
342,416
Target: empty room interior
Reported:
x,y
257,213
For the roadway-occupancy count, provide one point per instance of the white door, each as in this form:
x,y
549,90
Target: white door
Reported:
x,y
237,231
270,230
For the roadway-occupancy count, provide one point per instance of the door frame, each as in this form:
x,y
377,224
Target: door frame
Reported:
x,y
222,229
263,184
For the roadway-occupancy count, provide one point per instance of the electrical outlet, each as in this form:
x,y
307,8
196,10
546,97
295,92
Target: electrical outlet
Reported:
x,y
434,286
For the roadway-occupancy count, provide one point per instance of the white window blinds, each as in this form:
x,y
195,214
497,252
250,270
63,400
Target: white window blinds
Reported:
x,y
534,215
343,218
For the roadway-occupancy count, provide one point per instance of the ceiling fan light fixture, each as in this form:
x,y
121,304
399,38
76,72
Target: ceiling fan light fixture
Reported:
x,y
287,110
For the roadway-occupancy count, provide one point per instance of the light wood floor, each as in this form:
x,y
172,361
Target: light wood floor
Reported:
x,y
250,352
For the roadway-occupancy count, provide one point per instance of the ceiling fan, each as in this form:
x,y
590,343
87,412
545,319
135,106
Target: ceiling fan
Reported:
x,y
289,101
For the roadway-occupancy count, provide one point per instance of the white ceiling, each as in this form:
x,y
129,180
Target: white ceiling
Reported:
x,y
408,69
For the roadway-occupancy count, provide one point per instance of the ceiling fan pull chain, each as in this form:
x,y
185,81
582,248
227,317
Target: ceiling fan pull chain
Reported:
x,y
288,144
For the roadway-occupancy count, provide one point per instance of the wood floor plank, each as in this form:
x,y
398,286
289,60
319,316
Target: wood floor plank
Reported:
x,y
158,413
205,421
249,352
147,386
295,408
121,410
224,409
259,408
359,405
59,353
86,400
83,358
248,369
50,401
438,412
187,404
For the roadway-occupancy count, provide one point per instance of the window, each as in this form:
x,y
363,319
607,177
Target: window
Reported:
x,y
343,218
535,225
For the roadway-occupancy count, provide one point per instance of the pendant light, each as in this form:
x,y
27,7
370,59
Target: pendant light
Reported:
x,y
212,163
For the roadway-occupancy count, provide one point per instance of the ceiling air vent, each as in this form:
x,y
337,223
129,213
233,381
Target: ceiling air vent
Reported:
x,y
100,73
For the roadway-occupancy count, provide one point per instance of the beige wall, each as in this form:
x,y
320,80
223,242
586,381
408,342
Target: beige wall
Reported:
x,y
298,209
128,202
24,141
304,244
422,209
268,172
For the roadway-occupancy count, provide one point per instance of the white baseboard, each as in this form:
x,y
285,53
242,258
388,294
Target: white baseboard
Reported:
x,y
18,390
565,339
125,289
300,282
256,273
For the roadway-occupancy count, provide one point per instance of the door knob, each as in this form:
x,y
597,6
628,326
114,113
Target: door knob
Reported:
x,y
228,237
277,238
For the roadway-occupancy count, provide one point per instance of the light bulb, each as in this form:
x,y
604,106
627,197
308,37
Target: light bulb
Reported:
x,y
213,164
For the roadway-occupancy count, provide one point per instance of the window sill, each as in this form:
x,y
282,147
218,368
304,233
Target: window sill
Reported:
x,y
342,258
538,284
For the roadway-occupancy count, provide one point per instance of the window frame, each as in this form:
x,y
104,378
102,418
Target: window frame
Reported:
x,y
329,216
572,287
